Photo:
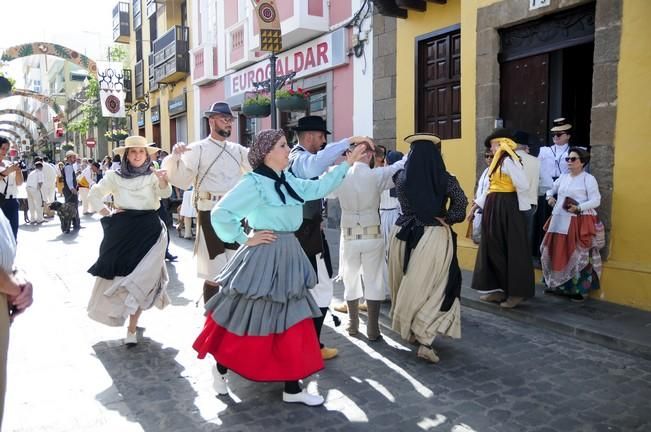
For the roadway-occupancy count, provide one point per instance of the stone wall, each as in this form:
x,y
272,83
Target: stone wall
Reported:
x,y
604,80
384,79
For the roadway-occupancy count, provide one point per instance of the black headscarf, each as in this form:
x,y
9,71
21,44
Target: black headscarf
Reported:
x,y
426,181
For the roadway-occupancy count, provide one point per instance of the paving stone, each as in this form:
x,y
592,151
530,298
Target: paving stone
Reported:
x,y
499,377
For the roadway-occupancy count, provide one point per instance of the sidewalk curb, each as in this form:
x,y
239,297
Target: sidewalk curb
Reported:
x,y
584,334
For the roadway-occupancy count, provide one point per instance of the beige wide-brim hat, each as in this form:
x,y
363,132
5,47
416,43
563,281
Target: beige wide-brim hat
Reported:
x,y
70,153
422,137
136,142
560,125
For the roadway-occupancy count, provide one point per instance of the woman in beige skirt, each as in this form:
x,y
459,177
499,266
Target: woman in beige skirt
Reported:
x,y
424,274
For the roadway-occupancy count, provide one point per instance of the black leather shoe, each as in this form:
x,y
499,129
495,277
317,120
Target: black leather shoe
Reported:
x,y
169,257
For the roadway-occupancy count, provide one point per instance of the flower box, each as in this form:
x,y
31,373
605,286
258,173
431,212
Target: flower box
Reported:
x,y
295,102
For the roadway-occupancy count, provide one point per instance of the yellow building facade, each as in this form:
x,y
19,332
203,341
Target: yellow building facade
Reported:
x,y
162,87
618,108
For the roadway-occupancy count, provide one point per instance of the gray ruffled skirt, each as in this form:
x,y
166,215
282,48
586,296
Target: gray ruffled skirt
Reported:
x,y
260,323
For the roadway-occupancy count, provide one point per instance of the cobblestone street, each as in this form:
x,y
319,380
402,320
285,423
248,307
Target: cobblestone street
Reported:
x,y
68,373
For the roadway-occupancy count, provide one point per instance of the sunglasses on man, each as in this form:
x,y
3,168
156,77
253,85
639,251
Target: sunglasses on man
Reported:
x,y
559,134
572,159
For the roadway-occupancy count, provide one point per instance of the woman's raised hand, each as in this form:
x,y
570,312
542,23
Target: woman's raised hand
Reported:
x,y
357,153
261,237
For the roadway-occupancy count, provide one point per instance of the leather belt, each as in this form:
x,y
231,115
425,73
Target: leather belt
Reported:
x,y
387,209
210,196
362,233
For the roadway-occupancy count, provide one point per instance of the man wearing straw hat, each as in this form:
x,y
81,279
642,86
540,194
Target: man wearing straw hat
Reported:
x,y
212,166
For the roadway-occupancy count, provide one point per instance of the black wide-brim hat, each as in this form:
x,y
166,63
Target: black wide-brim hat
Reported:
x,y
499,133
312,123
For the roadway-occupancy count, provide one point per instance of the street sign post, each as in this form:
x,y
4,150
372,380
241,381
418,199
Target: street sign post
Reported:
x,y
90,142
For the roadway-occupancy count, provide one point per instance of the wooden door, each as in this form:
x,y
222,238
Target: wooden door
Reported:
x,y
438,95
524,97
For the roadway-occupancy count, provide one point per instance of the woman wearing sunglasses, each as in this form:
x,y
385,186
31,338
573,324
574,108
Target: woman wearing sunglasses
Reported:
x,y
570,257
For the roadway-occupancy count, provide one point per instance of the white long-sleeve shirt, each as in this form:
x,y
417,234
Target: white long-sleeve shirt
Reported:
x,y
139,193
35,179
195,166
552,165
582,188
520,182
531,166
359,194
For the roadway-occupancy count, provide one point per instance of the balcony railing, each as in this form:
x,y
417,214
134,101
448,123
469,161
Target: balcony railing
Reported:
x,y
121,28
138,72
153,84
170,56
151,8
137,14
128,98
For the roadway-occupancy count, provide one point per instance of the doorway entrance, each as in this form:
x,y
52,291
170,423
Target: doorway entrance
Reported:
x,y
548,77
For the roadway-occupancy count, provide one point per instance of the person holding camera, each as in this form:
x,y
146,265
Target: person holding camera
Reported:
x,y
570,258
11,176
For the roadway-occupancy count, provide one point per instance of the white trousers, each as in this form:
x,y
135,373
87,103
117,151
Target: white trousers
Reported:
x,y
322,291
83,196
363,259
35,203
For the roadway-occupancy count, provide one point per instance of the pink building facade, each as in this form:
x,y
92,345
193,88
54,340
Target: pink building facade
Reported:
x,y
317,46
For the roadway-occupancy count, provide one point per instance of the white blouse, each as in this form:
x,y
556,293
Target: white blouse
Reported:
x,y
139,193
583,188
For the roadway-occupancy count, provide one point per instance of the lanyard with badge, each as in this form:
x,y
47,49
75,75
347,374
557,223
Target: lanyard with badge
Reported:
x,y
558,161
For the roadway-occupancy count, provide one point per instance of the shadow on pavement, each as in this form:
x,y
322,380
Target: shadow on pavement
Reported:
x,y
176,287
148,386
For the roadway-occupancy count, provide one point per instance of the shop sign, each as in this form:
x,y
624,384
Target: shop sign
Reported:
x,y
155,114
176,106
141,119
318,55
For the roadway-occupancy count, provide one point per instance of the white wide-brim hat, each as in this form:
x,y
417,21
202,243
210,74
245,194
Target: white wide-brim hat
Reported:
x,y
136,142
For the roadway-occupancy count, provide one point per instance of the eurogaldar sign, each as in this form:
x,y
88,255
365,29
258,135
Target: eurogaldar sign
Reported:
x,y
318,55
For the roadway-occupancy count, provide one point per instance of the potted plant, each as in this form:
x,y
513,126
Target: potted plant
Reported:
x,y
116,135
288,99
258,105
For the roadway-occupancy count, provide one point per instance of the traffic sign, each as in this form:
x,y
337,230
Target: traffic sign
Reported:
x,y
90,142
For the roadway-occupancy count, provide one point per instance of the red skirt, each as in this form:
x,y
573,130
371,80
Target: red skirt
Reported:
x,y
288,356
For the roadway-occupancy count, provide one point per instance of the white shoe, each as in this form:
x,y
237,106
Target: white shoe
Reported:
x,y
219,382
303,397
131,339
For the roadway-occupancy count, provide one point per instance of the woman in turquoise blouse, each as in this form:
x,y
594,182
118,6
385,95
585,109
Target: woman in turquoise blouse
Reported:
x,y
260,323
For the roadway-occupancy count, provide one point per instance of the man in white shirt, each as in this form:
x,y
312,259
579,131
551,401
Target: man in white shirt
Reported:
x,y
531,166
49,184
212,166
362,243
310,158
34,186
